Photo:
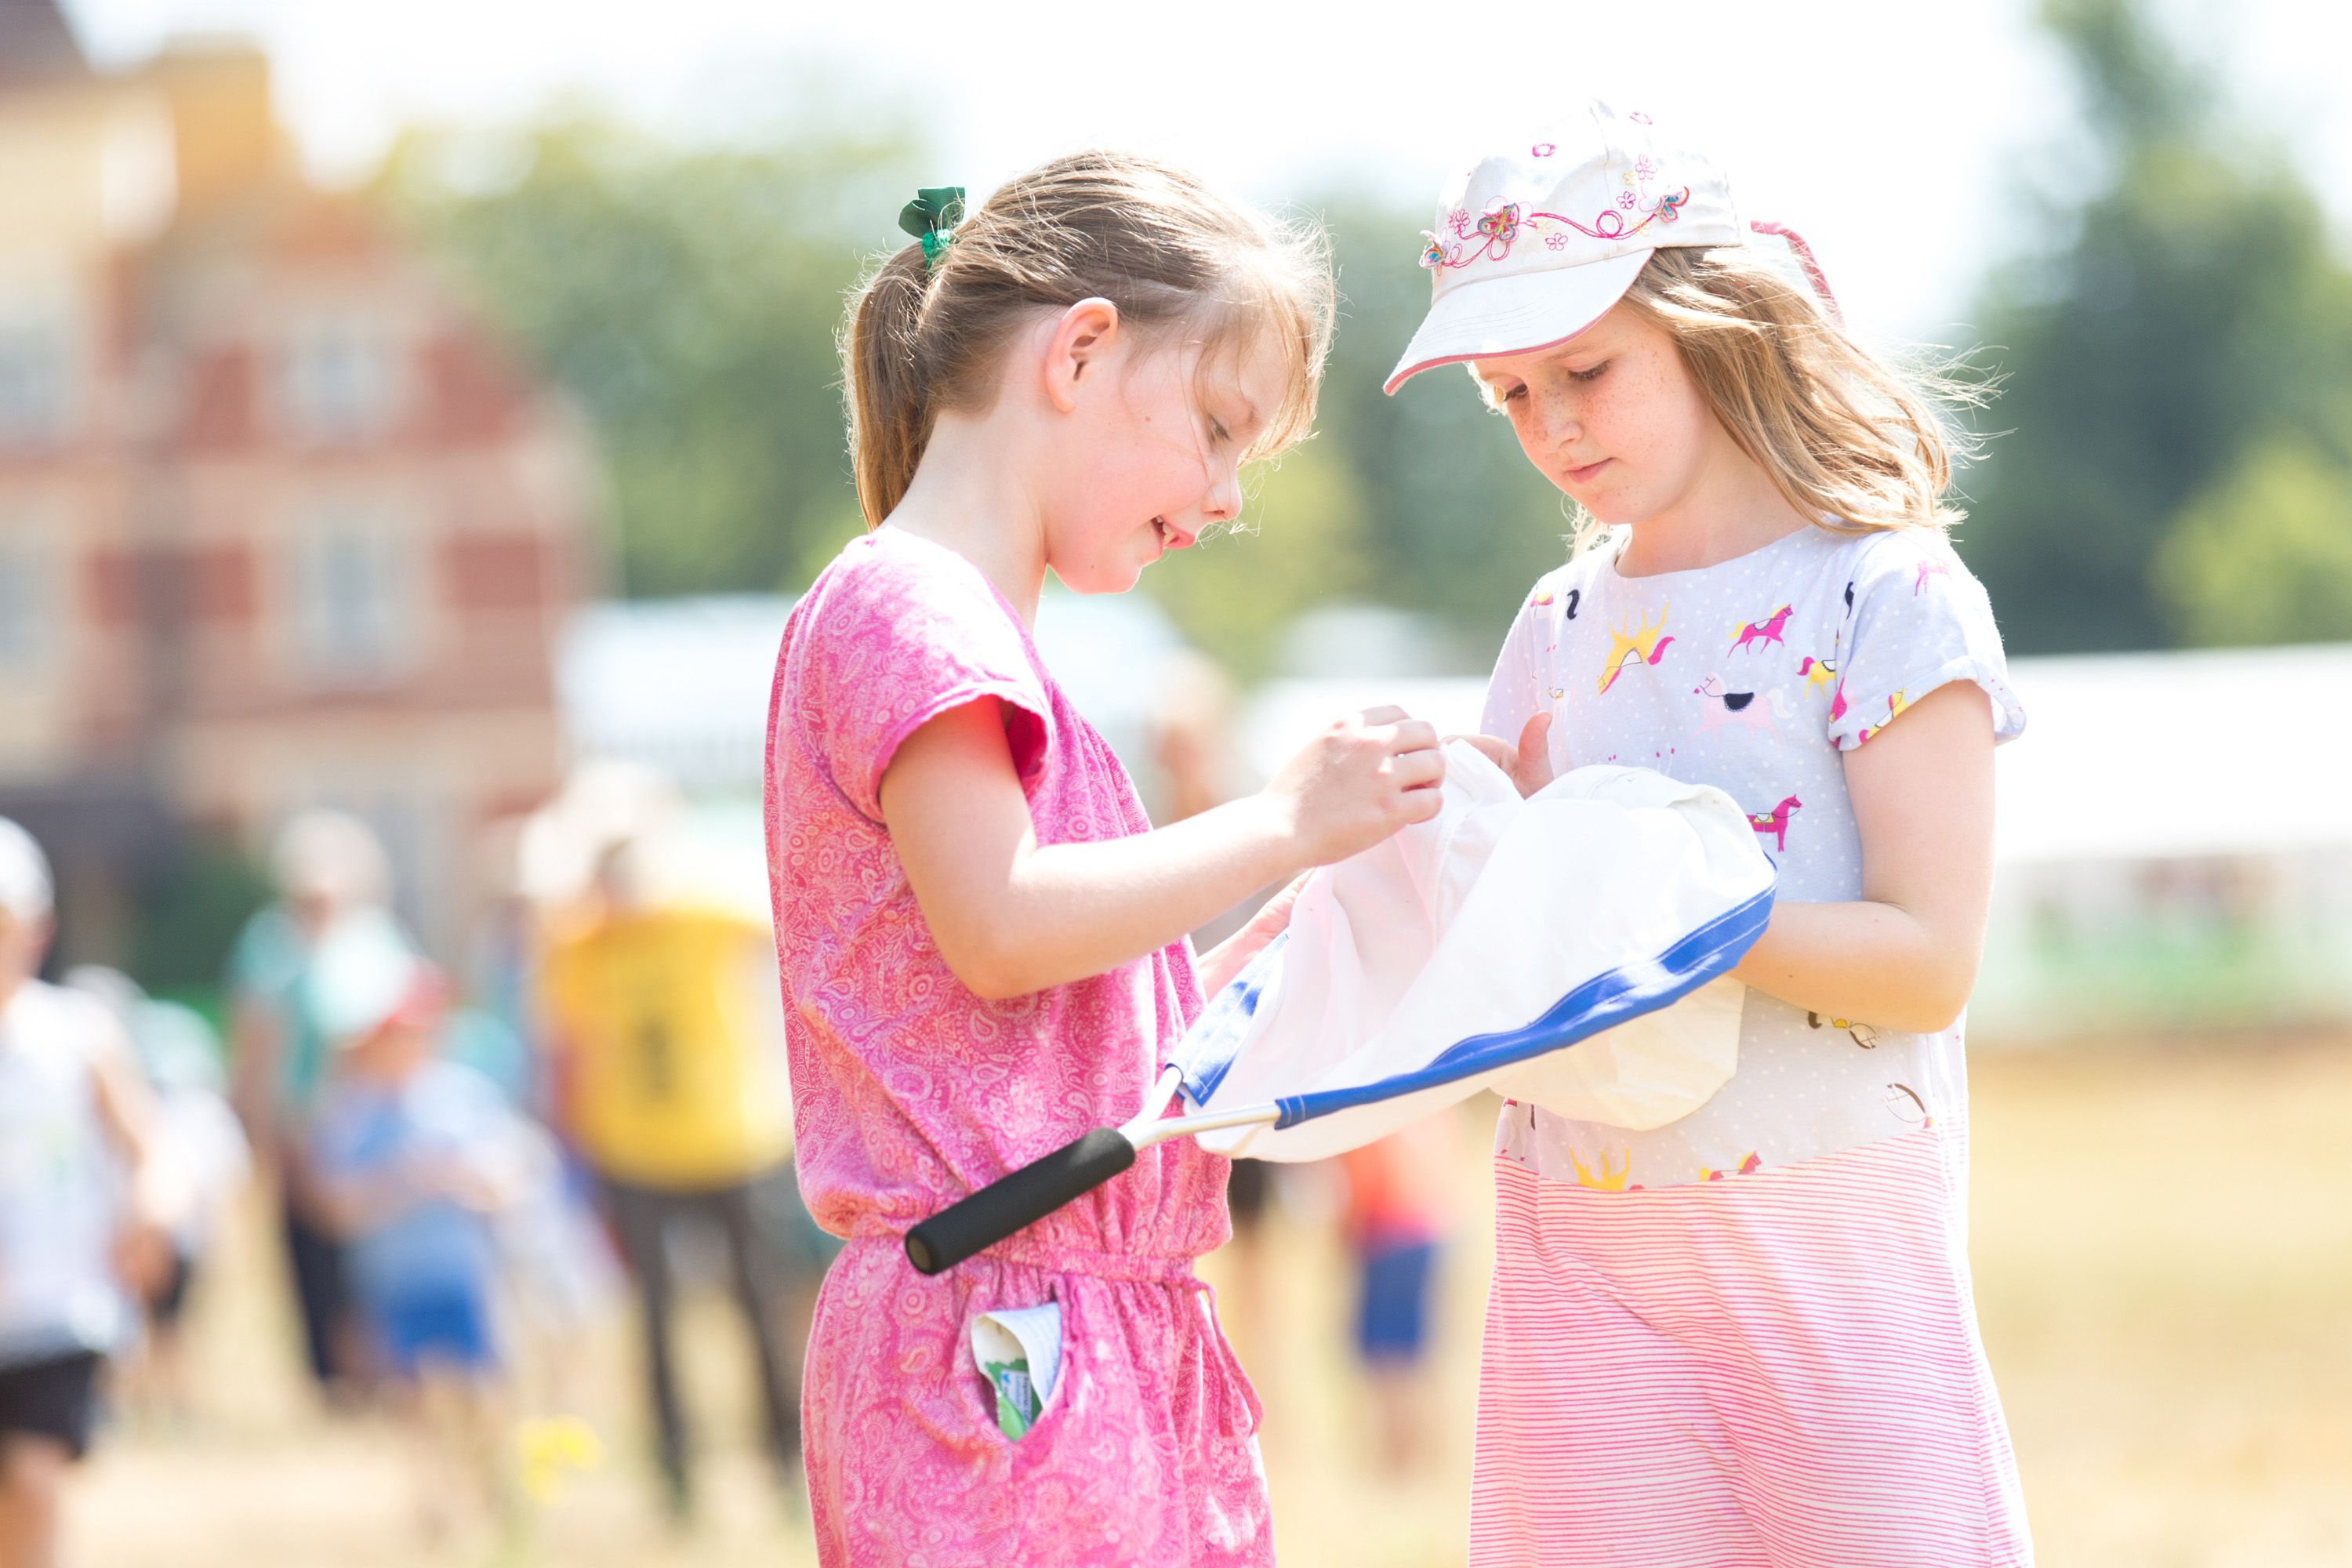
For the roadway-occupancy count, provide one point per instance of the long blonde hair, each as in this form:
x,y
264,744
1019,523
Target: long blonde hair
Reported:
x,y
1168,252
1849,440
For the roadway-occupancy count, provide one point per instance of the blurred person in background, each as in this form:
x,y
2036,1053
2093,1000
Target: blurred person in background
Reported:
x,y
1190,734
84,1200
560,1262
413,1158
330,921
669,1081
1394,1221
199,1135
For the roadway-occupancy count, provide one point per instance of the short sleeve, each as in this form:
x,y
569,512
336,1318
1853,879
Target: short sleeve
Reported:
x,y
1915,620
1514,692
902,631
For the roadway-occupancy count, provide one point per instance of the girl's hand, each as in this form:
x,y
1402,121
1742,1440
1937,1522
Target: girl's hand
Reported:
x,y
1529,765
1230,956
1011,915
1357,783
141,1257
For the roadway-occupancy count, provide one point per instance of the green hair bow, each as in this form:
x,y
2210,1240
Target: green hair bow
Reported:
x,y
932,218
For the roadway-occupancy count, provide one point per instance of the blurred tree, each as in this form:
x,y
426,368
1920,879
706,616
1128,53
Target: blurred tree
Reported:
x,y
1456,522
2265,556
189,912
688,297
2189,311
1300,543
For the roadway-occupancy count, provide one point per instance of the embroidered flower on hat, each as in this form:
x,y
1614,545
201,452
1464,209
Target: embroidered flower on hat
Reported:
x,y
1543,150
1458,220
1502,221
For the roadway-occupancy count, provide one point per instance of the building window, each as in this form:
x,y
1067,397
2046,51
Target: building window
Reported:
x,y
340,380
356,618
32,381
27,606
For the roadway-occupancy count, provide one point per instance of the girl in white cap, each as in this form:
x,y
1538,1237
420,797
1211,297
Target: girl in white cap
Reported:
x,y
1746,1337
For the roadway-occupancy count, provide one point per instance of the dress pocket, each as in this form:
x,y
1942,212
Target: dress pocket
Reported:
x,y
1018,1351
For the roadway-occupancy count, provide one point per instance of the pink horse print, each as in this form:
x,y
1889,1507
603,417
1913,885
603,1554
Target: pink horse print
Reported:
x,y
1777,823
1764,632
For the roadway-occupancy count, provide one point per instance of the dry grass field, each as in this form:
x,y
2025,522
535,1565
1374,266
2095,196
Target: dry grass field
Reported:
x,y
2163,1238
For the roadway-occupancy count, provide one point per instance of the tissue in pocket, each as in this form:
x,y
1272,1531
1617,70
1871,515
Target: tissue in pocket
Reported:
x,y
1019,1352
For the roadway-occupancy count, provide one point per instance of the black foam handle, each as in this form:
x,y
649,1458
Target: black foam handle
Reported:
x,y
1023,1199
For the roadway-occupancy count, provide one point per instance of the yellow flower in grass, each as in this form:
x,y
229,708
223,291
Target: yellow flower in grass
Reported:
x,y
552,1447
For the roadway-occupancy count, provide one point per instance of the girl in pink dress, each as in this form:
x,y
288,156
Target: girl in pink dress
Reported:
x,y
982,939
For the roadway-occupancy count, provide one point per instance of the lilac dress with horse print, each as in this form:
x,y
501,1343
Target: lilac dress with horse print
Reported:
x,y
909,1091
1756,675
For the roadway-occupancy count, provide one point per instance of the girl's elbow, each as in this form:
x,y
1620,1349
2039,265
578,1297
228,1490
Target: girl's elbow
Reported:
x,y
1931,1019
990,971
991,985
1938,1005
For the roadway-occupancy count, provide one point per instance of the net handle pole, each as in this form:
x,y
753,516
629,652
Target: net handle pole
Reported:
x,y
1150,1127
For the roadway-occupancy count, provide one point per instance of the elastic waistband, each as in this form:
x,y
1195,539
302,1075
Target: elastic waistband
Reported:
x,y
1020,1251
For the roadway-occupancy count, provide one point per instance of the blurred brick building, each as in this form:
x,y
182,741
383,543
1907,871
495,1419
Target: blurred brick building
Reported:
x,y
280,522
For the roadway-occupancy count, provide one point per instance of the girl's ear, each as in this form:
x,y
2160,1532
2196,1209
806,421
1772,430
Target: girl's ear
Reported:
x,y
1080,340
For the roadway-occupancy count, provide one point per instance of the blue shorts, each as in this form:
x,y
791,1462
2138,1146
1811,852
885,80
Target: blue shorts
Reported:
x,y
1392,1318
446,1329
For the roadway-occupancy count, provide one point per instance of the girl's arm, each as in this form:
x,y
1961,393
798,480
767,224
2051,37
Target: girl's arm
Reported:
x,y
159,1195
1904,956
254,1046
1011,915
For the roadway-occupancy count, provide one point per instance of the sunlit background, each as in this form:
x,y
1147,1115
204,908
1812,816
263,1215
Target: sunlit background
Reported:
x,y
404,406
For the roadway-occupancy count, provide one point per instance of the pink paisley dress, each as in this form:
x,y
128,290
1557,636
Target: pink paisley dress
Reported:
x,y
910,1091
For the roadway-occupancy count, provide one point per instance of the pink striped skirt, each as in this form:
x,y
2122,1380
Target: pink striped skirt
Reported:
x,y
1776,1369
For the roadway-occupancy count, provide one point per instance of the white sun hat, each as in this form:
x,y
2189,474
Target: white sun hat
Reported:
x,y
1533,245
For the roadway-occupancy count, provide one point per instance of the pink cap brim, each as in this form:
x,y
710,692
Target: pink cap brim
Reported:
x,y
1516,314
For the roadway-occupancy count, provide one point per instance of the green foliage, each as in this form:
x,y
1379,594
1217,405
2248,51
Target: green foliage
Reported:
x,y
2266,555
188,917
2192,311
687,299
1456,522
1300,543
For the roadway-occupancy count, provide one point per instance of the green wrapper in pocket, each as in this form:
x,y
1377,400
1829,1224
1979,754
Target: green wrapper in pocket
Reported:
x,y
1019,1352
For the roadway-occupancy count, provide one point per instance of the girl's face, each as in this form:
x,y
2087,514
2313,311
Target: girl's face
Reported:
x,y
1611,416
1154,460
